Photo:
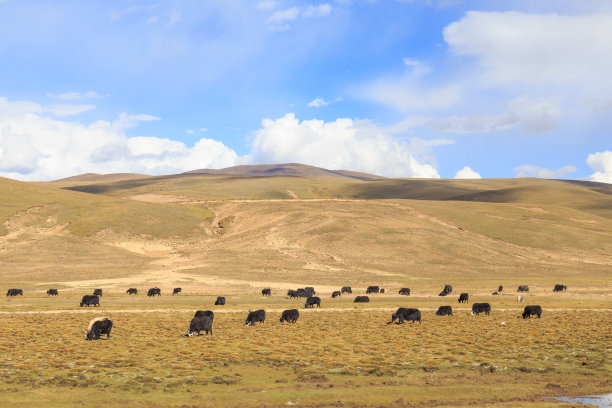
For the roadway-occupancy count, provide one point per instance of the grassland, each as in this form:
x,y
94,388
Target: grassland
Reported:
x,y
232,235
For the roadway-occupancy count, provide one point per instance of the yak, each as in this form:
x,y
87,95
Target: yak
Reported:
x,y
89,300
200,323
220,301
290,316
254,317
313,300
463,298
361,299
444,311
97,327
532,311
478,308
402,314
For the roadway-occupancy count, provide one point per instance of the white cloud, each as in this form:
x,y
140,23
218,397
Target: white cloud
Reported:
x,y
76,95
467,173
320,102
410,91
532,116
282,16
34,146
341,144
317,11
536,49
601,162
528,170
69,110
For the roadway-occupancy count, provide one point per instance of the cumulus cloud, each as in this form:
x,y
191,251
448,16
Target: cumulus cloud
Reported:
x,y
34,146
341,144
601,162
317,11
320,102
467,173
535,49
528,170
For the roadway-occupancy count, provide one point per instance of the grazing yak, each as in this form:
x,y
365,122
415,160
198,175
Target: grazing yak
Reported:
x,y
346,289
176,291
478,308
198,324
402,314
89,300
313,300
500,289
404,291
290,316
98,292
523,288
293,294
220,301
52,292
336,293
310,290
97,327
448,289
132,291
532,311
208,313
372,289
560,288
254,317
463,298
14,292
266,292
444,311
519,299
361,299
154,291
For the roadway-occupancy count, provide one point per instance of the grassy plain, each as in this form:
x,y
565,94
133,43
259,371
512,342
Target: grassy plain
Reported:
x,y
232,235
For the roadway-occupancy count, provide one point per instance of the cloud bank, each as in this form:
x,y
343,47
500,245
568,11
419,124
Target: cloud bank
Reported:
x,y
34,145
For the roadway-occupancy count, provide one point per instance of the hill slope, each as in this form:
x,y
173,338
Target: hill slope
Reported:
x,y
231,231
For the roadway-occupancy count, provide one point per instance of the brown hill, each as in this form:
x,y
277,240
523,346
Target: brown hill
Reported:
x,y
287,169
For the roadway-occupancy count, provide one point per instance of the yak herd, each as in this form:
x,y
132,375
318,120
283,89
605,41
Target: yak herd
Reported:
x,y
203,319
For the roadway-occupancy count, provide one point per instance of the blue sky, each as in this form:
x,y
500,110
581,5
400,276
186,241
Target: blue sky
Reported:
x,y
421,88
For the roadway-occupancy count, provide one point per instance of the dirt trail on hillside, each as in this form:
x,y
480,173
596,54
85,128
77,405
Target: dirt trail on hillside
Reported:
x,y
274,310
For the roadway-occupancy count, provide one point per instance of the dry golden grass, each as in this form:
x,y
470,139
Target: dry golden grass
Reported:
x,y
325,357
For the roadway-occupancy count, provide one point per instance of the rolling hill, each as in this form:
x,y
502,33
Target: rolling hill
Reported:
x,y
237,229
